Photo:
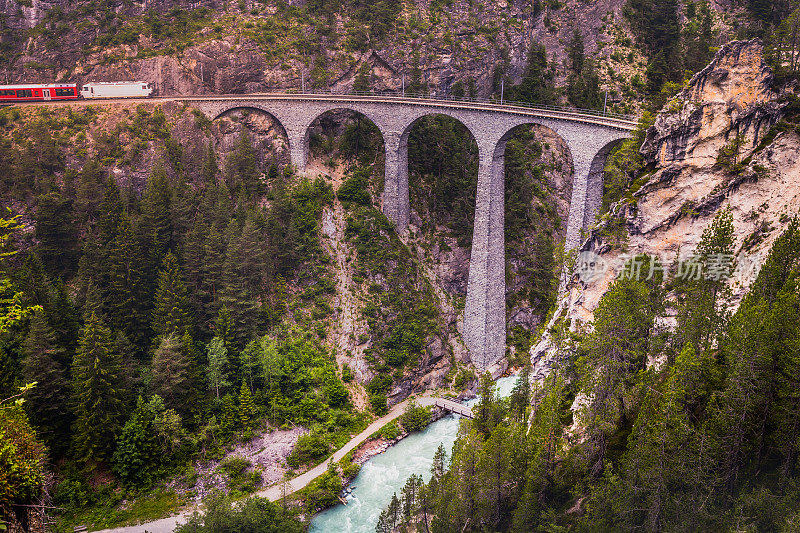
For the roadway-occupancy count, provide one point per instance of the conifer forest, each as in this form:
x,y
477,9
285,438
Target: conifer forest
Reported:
x,y
202,331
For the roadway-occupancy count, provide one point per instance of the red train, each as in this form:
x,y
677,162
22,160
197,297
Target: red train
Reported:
x,y
38,93
10,94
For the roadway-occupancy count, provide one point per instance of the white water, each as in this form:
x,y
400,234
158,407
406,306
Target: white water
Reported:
x,y
385,474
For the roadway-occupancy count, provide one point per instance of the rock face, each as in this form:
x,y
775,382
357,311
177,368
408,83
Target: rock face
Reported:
x,y
246,46
687,188
731,97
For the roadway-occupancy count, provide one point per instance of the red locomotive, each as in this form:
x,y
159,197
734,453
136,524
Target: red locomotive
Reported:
x,y
38,93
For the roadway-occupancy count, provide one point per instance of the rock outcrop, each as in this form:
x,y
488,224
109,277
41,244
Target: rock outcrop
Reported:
x,y
733,96
687,186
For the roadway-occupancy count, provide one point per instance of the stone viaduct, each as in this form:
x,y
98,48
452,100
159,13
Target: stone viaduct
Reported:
x,y
588,137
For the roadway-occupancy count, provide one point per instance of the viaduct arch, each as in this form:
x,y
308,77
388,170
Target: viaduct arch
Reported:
x,y
589,138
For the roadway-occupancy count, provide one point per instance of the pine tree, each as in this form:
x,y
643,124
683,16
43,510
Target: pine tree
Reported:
x,y
64,318
224,330
89,192
172,313
210,168
193,266
97,394
784,339
698,36
702,302
212,271
229,421
182,213
247,409
242,167
127,293
47,401
56,233
156,225
217,365
576,53
110,214
487,412
362,83
172,372
138,455
537,85
521,395
243,273
617,350
196,394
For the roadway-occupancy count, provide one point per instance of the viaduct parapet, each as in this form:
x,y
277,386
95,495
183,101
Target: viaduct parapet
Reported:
x,y
588,137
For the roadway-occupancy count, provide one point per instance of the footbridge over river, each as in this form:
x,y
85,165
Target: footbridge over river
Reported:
x,y
453,407
588,136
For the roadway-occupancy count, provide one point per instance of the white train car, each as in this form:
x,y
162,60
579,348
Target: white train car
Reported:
x,y
116,89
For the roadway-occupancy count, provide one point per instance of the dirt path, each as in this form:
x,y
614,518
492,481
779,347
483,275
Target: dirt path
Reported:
x,y
276,492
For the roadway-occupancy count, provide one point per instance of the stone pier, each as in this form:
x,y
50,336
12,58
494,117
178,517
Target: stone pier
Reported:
x,y
588,137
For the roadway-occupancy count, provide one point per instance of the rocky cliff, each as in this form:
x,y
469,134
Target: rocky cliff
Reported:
x,y
726,141
189,47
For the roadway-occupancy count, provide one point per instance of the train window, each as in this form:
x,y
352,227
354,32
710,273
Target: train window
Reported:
x,y
144,87
24,93
85,89
7,92
64,91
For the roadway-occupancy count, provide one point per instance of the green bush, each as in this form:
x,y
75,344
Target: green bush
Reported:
x,y
254,514
324,491
390,431
378,403
355,189
310,447
416,417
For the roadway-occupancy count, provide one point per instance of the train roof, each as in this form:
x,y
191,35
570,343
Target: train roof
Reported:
x,y
87,84
39,86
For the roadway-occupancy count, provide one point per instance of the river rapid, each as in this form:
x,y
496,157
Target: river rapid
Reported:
x,y
385,474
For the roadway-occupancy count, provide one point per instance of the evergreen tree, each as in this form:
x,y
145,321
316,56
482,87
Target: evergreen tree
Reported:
x,y
698,35
210,168
702,296
156,224
537,85
96,393
64,318
242,167
224,330
89,192
362,82
247,409
416,86
127,293
110,214
576,53
488,411
172,372
138,454
172,313
56,233
521,394
213,267
217,365
182,213
617,351
230,419
243,281
47,401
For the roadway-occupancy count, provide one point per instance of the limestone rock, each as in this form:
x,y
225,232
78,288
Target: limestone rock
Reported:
x,y
731,96
687,188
